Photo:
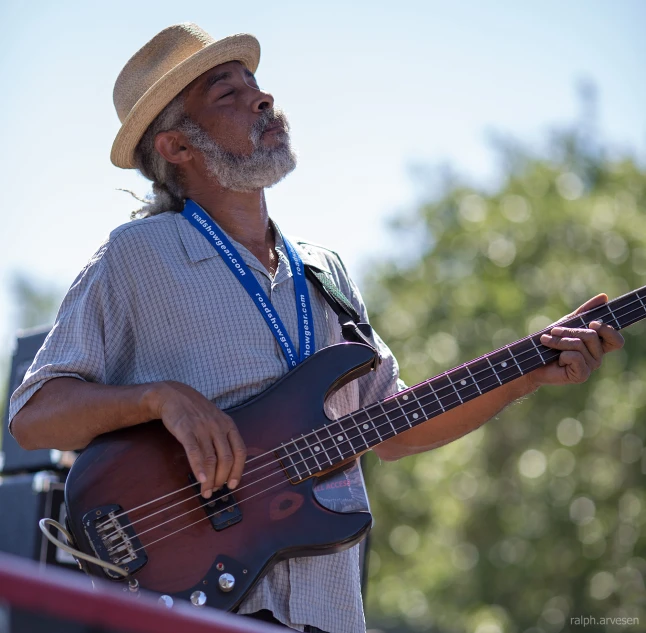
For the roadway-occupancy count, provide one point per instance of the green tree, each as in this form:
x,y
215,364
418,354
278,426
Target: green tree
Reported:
x,y
538,517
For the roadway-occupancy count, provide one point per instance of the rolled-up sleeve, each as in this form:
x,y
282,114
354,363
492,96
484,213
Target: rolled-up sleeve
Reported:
x,y
87,339
385,380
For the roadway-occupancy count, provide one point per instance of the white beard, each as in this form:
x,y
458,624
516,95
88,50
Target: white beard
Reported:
x,y
263,168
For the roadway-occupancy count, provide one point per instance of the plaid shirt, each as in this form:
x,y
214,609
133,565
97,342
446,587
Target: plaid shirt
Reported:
x,y
156,302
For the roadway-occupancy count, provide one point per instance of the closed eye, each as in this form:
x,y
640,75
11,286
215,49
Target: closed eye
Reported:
x,y
226,94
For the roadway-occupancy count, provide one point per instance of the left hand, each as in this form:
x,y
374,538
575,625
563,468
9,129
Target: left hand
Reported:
x,y
582,348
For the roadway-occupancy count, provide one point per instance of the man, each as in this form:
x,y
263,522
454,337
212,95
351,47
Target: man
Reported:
x,y
162,325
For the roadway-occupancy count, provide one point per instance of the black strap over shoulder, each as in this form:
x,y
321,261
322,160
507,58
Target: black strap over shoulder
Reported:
x,y
353,330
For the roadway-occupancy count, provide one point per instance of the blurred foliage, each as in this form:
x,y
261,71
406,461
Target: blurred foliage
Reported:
x,y
35,302
538,517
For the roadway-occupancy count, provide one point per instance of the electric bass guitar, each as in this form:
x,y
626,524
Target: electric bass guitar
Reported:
x,y
132,502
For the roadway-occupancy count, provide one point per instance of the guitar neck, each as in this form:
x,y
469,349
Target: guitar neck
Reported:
x,y
355,433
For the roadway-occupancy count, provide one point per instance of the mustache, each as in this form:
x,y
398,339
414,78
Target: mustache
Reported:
x,y
266,119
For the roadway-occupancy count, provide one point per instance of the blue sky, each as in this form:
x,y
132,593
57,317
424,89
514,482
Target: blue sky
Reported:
x,y
370,89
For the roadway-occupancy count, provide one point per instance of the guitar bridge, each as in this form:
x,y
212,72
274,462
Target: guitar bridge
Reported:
x,y
114,540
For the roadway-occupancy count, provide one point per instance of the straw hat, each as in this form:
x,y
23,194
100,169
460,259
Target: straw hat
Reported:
x,y
159,71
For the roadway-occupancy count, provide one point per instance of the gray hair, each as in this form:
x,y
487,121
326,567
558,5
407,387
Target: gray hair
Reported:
x,y
167,193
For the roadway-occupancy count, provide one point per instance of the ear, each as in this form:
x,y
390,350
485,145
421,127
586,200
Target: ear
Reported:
x,y
173,147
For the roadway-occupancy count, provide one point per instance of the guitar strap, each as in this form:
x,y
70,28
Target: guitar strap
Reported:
x,y
352,329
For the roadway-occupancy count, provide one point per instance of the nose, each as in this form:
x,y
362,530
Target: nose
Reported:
x,y
263,101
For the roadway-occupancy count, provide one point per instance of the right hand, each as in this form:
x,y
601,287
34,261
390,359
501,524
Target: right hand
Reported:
x,y
215,450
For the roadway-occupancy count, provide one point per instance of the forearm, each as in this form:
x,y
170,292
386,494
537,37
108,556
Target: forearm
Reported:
x,y
67,413
455,423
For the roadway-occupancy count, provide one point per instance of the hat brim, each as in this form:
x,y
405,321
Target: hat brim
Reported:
x,y
243,48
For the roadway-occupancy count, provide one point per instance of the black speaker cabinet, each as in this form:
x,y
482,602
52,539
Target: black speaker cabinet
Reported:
x,y
24,500
14,459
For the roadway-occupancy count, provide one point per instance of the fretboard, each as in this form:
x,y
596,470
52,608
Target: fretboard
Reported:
x,y
353,434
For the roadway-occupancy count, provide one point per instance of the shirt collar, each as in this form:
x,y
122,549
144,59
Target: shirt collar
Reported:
x,y
310,258
198,248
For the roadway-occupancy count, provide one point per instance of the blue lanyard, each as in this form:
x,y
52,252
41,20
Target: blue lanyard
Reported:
x,y
221,243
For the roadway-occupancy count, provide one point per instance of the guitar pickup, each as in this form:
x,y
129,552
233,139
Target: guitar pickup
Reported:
x,y
221,509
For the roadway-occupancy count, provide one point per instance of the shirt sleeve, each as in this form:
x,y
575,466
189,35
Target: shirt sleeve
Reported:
x,y
90,315
385,380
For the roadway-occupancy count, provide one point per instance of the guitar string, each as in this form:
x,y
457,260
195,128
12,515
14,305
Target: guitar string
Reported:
x,y
224,509
534,353
347,430
444,374
356,426
279,483
343,455
278,471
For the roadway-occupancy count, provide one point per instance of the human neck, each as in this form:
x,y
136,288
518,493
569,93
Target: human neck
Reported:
x,y
243,216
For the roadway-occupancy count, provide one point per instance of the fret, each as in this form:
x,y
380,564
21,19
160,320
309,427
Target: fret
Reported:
x,y
597,314
286,455
538,349
513,357
410,407
643,306
641,301
302,456
446,392
508,370
329,444
359,435
437,397
366,427
434,402
627,309
321,443
464,384
475,382
374,426
403,420
412,412
349,426
524,353
612,314
327,428
381,406
304,462
551,354
341,438
483,374
457,393
313,450
493,369
432,407
419,404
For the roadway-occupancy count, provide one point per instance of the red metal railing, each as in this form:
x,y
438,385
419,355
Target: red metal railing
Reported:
x,y
62,594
